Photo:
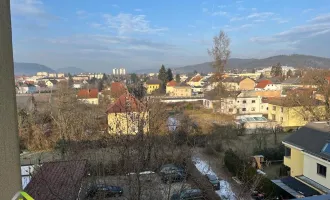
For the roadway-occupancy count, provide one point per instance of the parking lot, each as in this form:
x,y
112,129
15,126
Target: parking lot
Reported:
x,y
151,186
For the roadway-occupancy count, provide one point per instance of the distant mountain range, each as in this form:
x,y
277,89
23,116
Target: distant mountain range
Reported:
x,y
33,68
294,60
71,70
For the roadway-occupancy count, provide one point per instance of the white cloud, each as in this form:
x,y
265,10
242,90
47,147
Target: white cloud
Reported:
x,y
27,8
259,20
222,13
233,19
237,28
260,15
241,8
129,23
205,10
138,10
307,10
321,18
295,34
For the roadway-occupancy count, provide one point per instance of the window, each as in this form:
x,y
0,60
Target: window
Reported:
x,y
253,101
243,109
273,117
274,107
253,109
281,119
244,101
321,170
231,110
267,108
282,109
237,101
287,152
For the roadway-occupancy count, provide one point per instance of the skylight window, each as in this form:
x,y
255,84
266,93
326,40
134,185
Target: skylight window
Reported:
x,y
326,148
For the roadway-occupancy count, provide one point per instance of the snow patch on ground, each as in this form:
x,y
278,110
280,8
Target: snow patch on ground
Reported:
x,y
225,191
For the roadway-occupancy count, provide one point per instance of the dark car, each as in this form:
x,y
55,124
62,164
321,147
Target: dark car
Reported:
x,y
172,173
213,179
102,191
189,194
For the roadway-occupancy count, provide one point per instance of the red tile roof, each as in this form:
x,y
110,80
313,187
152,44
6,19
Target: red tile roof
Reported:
x,y
88,93
126,103
57,180
196,79
263,83
171,83
328,79
117,89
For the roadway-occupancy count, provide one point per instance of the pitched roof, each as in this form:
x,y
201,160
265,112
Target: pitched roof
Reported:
x,y
117,89
57,180
171,83
126,103
196,78
232,80
292,81
288,102
311,138
53,81
88,93
183,84
263,83
153,82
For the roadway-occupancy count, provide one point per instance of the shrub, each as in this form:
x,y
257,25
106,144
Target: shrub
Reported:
x,y
275,153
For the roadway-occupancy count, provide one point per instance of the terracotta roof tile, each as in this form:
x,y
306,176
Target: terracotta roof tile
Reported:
x,y
117,89
57,180
126,103
196,79
171,83
88,93
263,83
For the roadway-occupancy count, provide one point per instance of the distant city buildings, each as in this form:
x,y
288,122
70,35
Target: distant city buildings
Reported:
x,y
119,71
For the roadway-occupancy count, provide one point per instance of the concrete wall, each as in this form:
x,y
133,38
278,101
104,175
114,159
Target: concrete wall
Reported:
x,y
152,87
127,123
10,172
310,169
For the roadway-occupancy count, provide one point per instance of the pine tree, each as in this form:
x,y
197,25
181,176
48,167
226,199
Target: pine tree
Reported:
x,y
289,73
177,78
162,76
169,75
134,78
70,81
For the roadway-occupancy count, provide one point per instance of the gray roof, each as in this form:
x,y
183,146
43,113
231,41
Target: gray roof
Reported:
x,y
291,81
154,81
311,138
248,93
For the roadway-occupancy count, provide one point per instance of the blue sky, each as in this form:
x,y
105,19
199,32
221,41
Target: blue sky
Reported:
x,y
98,35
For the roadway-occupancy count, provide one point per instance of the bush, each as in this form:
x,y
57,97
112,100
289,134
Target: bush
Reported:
x,y
275,153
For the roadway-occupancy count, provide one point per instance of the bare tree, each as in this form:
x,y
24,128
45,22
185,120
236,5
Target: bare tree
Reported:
x,y
220,51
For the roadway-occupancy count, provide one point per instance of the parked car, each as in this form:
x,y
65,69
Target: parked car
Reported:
x,y
189,194
213,179
172,173
102,191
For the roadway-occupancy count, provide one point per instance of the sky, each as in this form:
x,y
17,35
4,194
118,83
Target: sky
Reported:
x,y
99,35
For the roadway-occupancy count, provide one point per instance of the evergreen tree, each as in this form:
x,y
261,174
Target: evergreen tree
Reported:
x,y
289,73
105,77
195,72
177,78
261,76
70,81
276,70
134,78
169,75
162,75
100,85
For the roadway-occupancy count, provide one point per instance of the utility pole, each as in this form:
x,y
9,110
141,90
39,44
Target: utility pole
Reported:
x,y
10,172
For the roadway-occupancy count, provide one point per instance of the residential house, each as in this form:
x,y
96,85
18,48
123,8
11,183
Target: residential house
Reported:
x,y
153,85
127,115
244,103
290,115
254,124
238,83
196,80
42,74
183,77
26,89
51,83
80,78
267,84
170,87
60,75
182,90
197,90
89,96
58,180
116,90
307,154
52,75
